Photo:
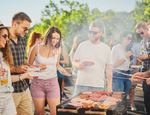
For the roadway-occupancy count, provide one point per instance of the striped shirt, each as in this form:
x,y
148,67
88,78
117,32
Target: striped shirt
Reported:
x,y
18,53
146,51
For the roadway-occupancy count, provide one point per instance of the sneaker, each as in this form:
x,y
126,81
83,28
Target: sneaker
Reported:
x,y
64,95
133,108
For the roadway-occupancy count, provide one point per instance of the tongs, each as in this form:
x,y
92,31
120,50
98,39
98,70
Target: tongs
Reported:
x,y
131,75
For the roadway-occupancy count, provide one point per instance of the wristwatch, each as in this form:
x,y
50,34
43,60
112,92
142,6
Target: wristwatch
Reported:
x,y
20,77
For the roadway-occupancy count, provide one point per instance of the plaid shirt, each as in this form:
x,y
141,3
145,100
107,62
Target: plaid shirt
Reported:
x,y
145,50
18,53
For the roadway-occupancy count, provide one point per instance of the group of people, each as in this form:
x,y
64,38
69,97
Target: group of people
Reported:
x,y
50,55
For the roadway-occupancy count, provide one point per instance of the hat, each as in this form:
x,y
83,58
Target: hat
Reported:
x,y
2,25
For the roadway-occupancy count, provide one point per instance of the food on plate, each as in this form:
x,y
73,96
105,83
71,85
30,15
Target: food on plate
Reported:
x,y
109,103
95,95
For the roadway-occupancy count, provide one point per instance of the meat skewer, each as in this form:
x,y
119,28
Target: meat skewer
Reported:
x,y
130,75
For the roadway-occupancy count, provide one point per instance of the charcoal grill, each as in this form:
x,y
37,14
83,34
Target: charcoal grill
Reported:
x,y
118,109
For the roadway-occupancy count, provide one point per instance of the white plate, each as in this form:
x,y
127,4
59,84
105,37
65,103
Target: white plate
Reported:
x,y
34,69
88,63
38,74
136,66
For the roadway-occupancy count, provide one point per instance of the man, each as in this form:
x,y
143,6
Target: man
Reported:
x,y
22,98
92,77
142,30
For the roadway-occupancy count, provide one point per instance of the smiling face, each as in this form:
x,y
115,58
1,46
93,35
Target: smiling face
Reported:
x,y
94,35
55,38
21,28
3,37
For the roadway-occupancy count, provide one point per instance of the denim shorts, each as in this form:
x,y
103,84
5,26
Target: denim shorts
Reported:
x,y
121,85
45,88
81,88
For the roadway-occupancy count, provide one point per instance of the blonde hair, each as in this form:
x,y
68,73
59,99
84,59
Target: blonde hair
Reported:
x,y
141,24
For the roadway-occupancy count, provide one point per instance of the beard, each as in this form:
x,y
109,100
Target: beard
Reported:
x,y
93,39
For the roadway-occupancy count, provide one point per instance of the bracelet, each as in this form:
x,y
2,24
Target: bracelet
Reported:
x,y
20,77
125,58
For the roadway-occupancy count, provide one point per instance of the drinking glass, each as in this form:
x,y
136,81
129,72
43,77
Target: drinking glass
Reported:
x,y
4,79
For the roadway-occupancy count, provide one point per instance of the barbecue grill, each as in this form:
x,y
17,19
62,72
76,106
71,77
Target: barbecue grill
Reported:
x,y
118,109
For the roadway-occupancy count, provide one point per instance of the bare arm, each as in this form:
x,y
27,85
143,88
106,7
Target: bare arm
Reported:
x,y
120,62
15,78
109,77
33,55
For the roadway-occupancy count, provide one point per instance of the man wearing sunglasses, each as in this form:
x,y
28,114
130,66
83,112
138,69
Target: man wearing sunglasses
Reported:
x,y
97,56
22,98
142,30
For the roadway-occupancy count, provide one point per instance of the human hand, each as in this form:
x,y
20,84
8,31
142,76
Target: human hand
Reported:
x,y
42,66
142,57
21,69
81,65
109,90
128,54
2,71
27,76
139,78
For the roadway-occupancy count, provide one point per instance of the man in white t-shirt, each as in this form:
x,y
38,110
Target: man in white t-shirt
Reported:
x,y
91,77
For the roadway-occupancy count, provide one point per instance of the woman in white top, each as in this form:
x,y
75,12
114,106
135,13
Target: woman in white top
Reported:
x,y
7,106
121,63
48,53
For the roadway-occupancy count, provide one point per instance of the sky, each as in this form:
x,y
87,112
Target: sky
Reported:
x,y
34,8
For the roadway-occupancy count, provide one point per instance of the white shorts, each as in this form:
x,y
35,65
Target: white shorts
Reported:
x,y
7,106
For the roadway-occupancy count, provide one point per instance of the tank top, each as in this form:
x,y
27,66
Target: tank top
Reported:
x,y
50,71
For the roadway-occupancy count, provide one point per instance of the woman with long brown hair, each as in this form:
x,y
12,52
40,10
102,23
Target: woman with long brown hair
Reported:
x,y
49,54
7,106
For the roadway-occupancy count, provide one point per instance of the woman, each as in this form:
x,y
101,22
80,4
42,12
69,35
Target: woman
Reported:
x,y
34,38
77,40
121,62
48,54
7,106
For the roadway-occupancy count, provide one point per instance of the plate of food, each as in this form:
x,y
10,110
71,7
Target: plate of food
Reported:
x,y
88,63
136,66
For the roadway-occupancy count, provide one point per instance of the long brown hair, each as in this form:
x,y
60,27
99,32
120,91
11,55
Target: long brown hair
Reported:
x,y
48,36
32,39
7,55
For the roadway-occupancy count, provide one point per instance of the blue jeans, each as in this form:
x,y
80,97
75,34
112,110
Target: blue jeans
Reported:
x,y
121,85
81,88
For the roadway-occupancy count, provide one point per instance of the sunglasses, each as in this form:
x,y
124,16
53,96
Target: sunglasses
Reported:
x,y
92,32
141,33
129,38
5,36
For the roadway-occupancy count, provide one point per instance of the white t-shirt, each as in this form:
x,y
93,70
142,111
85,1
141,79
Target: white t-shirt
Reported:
x,y
118,54
100,55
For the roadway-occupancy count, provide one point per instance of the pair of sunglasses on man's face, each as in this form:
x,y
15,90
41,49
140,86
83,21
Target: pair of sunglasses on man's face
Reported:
x,y
141,33
92,32
5,36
